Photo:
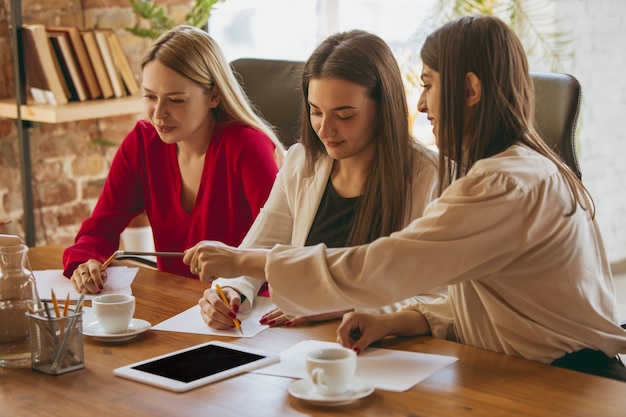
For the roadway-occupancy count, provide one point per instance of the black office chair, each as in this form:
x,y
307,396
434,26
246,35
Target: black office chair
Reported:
x,y
273,86
557,104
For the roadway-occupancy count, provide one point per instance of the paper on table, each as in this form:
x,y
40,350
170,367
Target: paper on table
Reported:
x,y
390,370
118,282
189,321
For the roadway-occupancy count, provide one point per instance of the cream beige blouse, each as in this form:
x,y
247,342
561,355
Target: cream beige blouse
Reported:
x,y
524,278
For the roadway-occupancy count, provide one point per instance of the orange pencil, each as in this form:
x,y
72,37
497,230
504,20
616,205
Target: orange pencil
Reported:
x,y
225,300
109,260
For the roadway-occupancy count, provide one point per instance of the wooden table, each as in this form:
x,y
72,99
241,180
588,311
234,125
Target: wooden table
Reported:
x,y
480,383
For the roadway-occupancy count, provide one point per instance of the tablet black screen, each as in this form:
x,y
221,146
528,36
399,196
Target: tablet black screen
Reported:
x,y
198,363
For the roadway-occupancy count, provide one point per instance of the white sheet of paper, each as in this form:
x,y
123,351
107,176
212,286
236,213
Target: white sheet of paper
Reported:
x,y
189,321
390,370
118,282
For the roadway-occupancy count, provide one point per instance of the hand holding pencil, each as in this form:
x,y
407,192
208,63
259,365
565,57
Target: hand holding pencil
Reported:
x,y
225,300
90,276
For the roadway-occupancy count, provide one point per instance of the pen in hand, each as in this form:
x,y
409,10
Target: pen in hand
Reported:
x,y
225,300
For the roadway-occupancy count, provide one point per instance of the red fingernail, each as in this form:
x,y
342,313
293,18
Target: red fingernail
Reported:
x,y
236,309
232,315
288,323
263,320
271,322
357,350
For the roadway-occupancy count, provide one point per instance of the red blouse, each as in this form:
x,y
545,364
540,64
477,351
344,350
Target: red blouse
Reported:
x,y
239,171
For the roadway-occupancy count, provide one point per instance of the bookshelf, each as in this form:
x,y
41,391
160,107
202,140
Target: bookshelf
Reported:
x,y
25,114
72,111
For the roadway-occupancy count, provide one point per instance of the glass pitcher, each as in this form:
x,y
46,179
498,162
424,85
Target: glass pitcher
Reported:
x,y
18,293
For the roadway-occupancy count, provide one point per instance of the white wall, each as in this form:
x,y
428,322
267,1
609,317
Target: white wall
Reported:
x,y
599,31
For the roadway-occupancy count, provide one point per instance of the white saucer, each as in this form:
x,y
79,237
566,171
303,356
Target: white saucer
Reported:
x,y
136,327
304,389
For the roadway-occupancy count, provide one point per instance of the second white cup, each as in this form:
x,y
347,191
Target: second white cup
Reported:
x,y
114,311
331,370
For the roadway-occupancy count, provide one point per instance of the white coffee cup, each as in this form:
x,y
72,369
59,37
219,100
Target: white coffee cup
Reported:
x,y
114,311
331,370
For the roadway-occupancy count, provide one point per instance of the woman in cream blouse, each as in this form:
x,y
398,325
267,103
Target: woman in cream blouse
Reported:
x,y
514,237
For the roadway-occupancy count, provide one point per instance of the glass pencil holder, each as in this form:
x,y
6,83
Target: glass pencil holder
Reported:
x,y
56,343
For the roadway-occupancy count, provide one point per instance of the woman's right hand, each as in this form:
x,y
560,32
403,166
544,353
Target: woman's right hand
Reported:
x,y
87,277
215,312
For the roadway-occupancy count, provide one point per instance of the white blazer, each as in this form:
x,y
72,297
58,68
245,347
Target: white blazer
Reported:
x,y
290,209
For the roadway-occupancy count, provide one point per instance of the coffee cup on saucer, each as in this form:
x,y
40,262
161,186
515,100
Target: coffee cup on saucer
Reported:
x,y
331,370
113,311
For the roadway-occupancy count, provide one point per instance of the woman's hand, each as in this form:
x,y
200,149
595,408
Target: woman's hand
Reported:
x,y
210,259
276,318
359,330
87,277
215,312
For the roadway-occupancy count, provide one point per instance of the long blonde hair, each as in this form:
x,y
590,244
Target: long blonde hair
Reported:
x,y
192,53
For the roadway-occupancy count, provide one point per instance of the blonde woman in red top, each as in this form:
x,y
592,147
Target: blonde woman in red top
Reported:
x,y
201,165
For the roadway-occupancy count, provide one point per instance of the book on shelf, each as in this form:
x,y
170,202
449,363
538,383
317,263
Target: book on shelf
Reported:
x,y
66,82
36,82
81,57
93,51
62,47
121,62
114,74
38,52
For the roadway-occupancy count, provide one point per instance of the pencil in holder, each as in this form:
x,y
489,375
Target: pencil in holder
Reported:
x,y
56,343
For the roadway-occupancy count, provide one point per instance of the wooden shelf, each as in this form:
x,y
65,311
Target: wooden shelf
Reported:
x,y
73,111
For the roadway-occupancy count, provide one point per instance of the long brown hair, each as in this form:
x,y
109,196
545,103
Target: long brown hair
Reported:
x,y
365,59
487,47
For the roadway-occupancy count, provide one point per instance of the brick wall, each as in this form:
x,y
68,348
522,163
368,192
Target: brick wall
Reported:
x,y
66,167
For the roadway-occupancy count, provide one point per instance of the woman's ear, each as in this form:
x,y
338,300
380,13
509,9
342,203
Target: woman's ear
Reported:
x,y
214,97
473,89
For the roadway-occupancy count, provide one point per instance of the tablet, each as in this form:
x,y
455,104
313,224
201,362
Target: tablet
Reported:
x,y
198,365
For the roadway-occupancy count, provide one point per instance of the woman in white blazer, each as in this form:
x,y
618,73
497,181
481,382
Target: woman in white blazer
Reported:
x,y
357,173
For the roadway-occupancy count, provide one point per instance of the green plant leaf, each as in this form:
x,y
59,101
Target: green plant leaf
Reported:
x,y
104,142
534,21
159,22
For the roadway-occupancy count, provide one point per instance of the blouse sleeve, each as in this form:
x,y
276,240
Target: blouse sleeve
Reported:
x,y
440,317
121,199
472,230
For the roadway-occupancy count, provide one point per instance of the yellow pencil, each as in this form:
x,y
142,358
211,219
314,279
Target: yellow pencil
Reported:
x,y
55,303
66,307
225,300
